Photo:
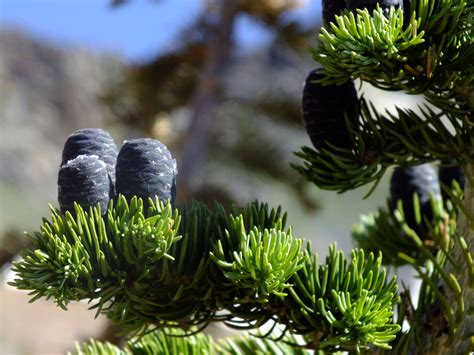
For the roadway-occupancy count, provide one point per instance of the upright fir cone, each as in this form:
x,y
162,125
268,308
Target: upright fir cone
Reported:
x,y
145,168
324,108
372,4
449,173
421,179
331,8
92,141
84,180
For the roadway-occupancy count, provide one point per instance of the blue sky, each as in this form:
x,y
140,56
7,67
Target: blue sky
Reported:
x,y
136,30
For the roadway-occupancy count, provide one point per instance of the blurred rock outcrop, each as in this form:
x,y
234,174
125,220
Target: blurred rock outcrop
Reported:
x,y
46,91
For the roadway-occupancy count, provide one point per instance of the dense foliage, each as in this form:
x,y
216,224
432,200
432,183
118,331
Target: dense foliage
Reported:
x,y
164,272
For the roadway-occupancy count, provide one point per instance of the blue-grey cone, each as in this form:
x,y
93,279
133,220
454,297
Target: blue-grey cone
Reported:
x,y
422,179
331,8
92,141
84,180
325,108
449,173
372,4
145,168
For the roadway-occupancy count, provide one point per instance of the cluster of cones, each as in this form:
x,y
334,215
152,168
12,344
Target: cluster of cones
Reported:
x,y
93,171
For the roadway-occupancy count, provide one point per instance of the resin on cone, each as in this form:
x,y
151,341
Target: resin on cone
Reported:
x,y
84,180
145,168
92,141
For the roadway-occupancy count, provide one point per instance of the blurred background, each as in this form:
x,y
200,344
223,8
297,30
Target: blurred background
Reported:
x,y
219,82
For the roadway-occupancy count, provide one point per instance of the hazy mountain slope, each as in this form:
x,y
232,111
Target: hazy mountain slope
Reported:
x,y
45,92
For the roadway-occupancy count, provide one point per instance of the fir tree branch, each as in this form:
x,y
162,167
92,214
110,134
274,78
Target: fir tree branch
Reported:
x,y
84,256
430,54
385,231
175,341
343,305
423,55
243,268
395,54
444,262
381,141
164,341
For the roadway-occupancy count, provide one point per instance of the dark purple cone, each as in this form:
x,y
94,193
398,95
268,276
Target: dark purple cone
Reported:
x,y
92,141
448,173
421,179
145,168
372,4
84,180
331,8
323,111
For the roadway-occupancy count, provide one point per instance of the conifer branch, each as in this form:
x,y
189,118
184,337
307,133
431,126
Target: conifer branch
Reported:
x,y
429,53
462,269
387,231
443,260
164,274
187,267
394,54
175,341
381,141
